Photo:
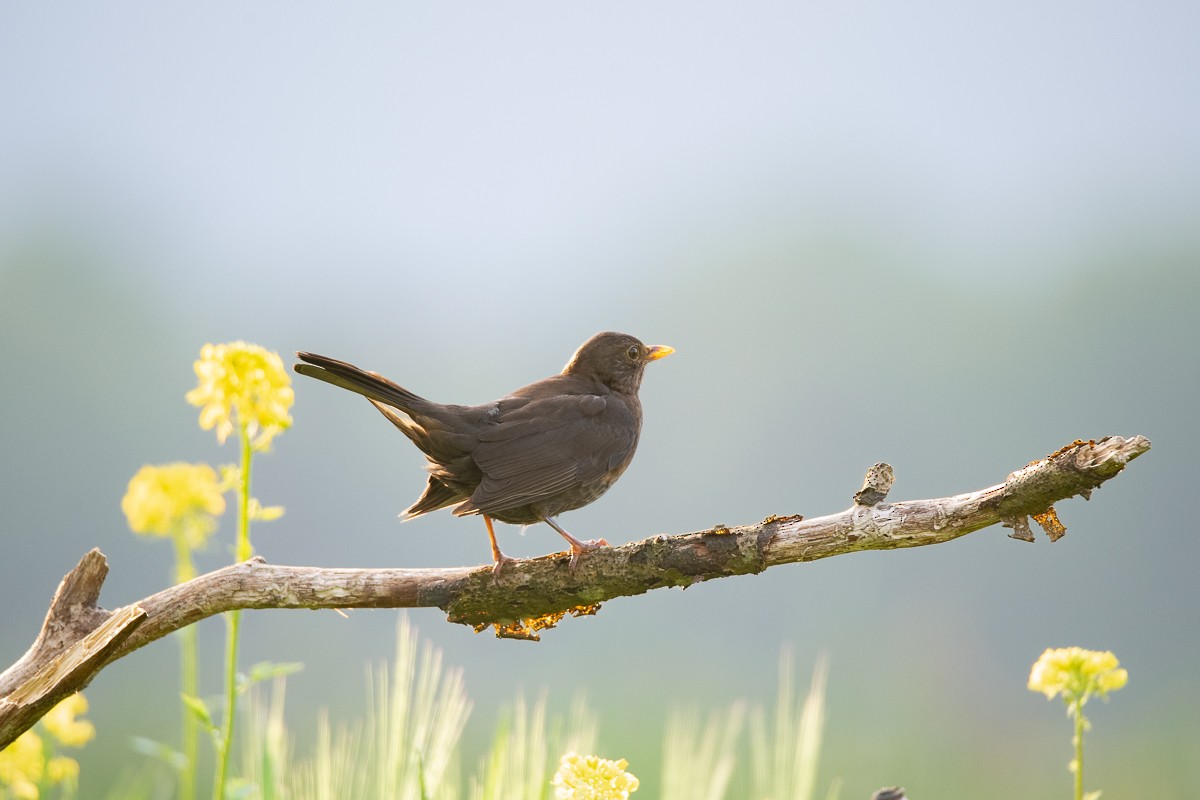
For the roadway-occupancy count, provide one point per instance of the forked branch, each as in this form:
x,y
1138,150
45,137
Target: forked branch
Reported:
x,y
79,638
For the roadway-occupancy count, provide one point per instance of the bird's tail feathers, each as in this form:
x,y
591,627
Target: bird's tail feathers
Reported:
x,y
370,385
436,495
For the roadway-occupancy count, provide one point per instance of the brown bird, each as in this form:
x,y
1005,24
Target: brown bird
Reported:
x,y
552,446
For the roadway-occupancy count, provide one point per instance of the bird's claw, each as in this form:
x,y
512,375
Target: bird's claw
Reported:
x,y
498,567
578,548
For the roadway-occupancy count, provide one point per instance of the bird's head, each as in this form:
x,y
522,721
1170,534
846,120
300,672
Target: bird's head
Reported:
x,y
615,359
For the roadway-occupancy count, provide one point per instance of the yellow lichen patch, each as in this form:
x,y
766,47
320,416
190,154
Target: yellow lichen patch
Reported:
x,y
584,611
527,628
544,621
1065,448
1071,446
1050,523
516,630
777,518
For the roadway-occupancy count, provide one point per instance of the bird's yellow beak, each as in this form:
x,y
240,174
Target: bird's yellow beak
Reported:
x,y
656,351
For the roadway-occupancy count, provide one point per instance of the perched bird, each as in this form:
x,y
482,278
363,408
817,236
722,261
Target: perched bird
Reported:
x,y
552,446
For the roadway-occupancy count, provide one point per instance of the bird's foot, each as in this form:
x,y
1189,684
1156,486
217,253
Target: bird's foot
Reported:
x,y
501,560
497,556
578,548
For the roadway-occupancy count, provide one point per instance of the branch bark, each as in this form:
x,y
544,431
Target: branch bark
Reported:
x,y
79,638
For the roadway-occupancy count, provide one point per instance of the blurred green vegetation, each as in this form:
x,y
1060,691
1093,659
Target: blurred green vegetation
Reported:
x,y
406,744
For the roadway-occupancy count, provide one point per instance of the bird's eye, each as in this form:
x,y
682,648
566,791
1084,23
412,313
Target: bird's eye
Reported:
x,y
634,352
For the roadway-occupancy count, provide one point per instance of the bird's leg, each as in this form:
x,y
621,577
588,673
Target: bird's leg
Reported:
x,y
578,548
497,556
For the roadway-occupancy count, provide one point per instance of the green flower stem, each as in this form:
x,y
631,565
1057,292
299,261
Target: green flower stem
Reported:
x,y
242,552
185,570
1080,722
233,618
43,783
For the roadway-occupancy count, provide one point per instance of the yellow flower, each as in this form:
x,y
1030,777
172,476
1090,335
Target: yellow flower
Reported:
x,y
23,763
61,722
592,778
242,386
1076,674
21,766
174,497
61,769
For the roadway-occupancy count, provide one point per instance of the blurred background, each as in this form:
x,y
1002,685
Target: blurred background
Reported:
x,y
950,237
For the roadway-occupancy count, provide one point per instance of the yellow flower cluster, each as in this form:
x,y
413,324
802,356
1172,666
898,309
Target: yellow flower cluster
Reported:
x,y
61,722
592,778
1076,674
242,386
21,766
24,765
174,498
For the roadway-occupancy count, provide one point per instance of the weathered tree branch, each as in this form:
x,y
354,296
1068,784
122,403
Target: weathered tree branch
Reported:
x,y
79,638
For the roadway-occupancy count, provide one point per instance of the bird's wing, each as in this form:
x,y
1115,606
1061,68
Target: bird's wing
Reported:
x,y
539,448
